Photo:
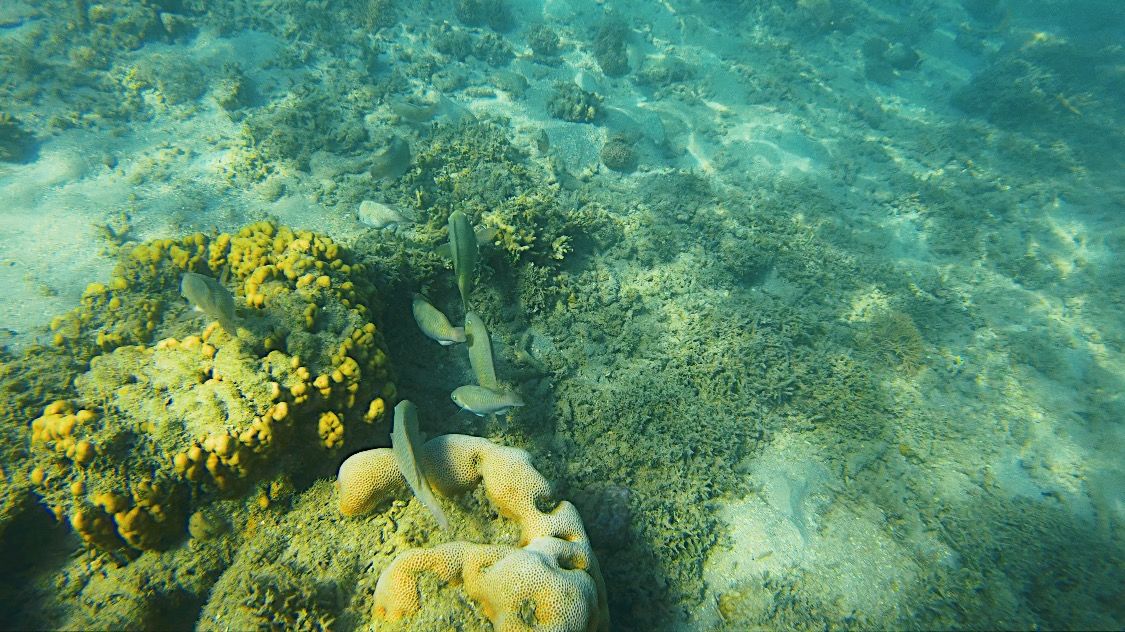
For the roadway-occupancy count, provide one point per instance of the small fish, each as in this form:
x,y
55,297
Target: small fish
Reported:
x,y
485,401
434,324
379,215
480,350
406,440
462,249
210,297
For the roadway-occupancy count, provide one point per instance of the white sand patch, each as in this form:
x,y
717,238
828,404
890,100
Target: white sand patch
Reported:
x,y
49,244
795,525
165,174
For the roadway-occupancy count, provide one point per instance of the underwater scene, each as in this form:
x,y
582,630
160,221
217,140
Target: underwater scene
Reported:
x,y
562,315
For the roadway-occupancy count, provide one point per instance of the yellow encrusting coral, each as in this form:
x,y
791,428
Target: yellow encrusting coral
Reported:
x,y
206,408
56,431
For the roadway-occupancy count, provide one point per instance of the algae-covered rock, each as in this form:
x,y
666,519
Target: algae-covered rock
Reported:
x,y
609,47
618,154
544,42
494,14
16,143
571,103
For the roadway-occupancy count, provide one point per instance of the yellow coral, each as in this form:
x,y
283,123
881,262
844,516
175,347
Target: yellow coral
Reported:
x,y
331,429
551,582
375,410
365,478
205,407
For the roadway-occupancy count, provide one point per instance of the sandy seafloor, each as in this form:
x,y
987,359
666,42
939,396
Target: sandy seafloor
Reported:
x,y
851,355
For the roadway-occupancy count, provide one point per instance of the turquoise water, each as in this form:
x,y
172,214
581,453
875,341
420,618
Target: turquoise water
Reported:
x,y
813,306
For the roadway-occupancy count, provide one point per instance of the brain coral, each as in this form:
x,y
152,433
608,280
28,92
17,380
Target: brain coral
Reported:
x,y
550,582
170,413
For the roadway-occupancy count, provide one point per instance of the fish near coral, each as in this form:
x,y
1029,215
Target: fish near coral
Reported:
x,y
462,250
210,297
485,401
406,441
434,324
480,351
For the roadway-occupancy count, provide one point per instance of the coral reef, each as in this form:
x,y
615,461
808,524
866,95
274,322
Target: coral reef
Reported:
x,y
571,103
894,339
474,167
551,581
1045,81
884,61
663,71
153,428
165,80
378,13
461,43
619,154
289,131
494,14
609,47
544,42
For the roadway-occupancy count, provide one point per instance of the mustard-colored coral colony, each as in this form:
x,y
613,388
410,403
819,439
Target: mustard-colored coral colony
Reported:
x,y
161,424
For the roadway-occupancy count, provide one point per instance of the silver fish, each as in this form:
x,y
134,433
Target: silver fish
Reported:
x,y
406,440
480,350
485,401
210,297
434,324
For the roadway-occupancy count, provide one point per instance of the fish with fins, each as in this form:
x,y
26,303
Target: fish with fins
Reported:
x,y
480,351
209,296
462,250
406,440
434,324
483,401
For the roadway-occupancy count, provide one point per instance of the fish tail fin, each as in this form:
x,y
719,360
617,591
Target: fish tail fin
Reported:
x,y
229,325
